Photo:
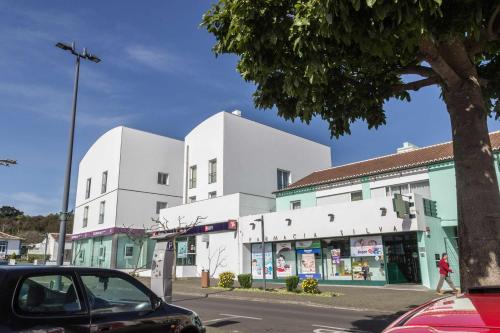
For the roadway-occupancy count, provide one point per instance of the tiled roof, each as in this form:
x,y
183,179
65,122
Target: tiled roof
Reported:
x,y
3,235
410,159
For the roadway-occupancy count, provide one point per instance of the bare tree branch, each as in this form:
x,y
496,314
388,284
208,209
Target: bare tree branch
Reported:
x,y
219,262
8,162
416,85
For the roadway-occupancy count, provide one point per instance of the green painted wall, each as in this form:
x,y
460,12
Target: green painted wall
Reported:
x,y
443,191
307,199
142,254
365,187
99,242
435,244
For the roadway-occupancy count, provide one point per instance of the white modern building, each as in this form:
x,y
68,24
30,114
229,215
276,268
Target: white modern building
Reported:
x,y
232,167
124,180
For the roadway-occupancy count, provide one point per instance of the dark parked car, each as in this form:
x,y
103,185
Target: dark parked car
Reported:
x,y
53,299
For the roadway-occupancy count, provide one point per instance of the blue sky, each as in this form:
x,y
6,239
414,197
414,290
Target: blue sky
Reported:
x,y
157,74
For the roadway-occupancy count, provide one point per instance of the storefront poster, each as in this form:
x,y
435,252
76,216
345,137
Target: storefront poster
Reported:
x,y
366,246
284,259
182,249
257,261
335,256
308,263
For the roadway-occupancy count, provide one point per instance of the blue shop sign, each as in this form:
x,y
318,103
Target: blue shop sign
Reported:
x,y
318,251
316,276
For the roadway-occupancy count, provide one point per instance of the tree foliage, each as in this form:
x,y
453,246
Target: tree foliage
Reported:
x,y
8,211
342,59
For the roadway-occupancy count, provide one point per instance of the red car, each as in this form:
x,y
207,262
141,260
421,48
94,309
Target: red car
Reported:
x,y
476,311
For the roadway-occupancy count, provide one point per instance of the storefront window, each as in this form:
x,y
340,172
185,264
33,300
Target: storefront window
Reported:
x,y
284,260
309,259
257,261
367,258
337,259
186,251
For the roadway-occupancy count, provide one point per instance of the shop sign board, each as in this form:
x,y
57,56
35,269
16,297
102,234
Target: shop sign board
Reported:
x,y
335,256
366,246
308,244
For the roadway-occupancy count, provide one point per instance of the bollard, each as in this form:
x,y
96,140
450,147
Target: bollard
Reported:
x,y
205,279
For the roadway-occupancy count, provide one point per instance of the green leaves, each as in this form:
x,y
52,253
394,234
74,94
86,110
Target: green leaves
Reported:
x,y
338,59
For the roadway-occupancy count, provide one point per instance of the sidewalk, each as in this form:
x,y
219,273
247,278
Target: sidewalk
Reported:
x,y
388,299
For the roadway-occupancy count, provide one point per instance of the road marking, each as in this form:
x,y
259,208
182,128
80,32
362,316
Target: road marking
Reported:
x,y
238,316
228,315
332,329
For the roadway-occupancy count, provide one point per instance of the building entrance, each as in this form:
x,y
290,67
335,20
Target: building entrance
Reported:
x,y
402,262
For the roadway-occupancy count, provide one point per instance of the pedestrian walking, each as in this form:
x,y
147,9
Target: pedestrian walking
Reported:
x,y
365,270
444,271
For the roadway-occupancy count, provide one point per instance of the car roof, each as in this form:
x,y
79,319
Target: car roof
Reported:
x,y
42,268
471,310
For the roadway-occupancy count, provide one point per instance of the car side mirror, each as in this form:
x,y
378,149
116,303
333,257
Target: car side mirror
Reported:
x,y
157,303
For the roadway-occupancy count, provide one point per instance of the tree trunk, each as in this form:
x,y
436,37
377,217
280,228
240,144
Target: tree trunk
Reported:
x,y
478,196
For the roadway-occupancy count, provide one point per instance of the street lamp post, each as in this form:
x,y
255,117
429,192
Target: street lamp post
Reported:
x,y
64,212
261,220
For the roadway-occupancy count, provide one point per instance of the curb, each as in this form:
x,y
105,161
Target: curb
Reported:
x,y
279,301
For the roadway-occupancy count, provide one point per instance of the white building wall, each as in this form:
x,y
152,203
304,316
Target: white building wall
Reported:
x,y
13,246
137,209
350,219
143,155
253,152
133,159
204,143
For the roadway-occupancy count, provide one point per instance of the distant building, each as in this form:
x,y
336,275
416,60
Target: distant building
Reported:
x,y
9,245
50,245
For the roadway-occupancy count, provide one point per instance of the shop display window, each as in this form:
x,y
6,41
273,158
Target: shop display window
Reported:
x,y
337,259
284,260
257,261
368,268
309,259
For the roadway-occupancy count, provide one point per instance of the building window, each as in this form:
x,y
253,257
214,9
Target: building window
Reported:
x,y
283,179
102,207
104,182
160,205
85,216
186,251
356,196
87,188
129,251
212,171
3,247
212,194
295,204
192,199
192,176
422,188
163,178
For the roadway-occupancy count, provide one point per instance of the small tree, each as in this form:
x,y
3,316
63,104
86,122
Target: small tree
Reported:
x,y
173,232
216,260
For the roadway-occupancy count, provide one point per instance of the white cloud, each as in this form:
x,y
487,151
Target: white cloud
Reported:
x,y
157,59
55,104
30,203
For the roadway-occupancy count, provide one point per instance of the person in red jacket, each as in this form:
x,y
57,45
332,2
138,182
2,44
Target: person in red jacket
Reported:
x,y
444,271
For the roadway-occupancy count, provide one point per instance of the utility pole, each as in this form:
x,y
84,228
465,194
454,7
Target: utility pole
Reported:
x,y
261,220
64,212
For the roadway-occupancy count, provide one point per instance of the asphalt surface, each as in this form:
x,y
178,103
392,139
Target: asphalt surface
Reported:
x,y
233,315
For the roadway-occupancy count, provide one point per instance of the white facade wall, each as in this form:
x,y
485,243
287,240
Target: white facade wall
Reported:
x,y
132,159
248,155
220,209
350,219
253,152
13,246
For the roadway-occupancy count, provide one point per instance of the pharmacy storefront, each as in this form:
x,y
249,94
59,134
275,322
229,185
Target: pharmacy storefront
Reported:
x,y
367,259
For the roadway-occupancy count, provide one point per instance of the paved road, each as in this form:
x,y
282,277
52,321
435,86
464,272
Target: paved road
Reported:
x,y
230,315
